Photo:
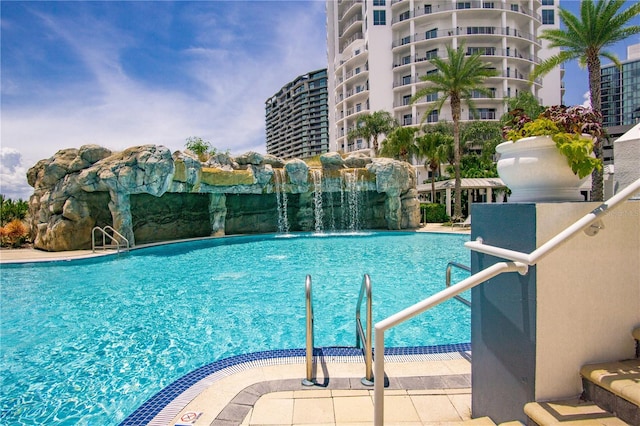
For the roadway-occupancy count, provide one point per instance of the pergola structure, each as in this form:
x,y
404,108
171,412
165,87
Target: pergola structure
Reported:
x,y
479,190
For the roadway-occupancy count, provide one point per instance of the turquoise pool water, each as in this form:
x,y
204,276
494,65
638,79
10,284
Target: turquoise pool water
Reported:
x,y
86,342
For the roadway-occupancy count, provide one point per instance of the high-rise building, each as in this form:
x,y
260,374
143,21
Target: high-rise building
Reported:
x,y
620,90
379,49
620,98
297,117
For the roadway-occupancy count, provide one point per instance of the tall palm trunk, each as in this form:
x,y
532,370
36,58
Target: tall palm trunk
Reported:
x,y
593,69
457,190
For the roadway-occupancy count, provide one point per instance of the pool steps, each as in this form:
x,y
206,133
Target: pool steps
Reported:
x,y
611,396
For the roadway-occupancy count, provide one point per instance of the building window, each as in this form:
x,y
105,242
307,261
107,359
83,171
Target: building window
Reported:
x,y
431,97
547,2
483,114
406,80
481,30
547,17
358,107
378,2
432,54
433,71
404,16
432,117
488,5
431,34
514,7
406,100
379,17
407,120
406,60
406,40
463,5
427,8
481,50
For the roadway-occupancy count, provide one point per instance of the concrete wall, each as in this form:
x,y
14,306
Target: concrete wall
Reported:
x,y
588,295
531,334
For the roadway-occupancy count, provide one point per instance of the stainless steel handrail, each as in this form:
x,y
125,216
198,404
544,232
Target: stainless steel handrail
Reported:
x,y
450,266
105,234
308,381
361,338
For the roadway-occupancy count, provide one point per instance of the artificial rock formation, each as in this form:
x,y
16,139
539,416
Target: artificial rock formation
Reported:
x,y
148,194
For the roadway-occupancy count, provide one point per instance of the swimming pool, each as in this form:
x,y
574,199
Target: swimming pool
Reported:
x,y
87,342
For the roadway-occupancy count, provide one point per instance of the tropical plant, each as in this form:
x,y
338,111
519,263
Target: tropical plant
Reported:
x,y
371,126
458,77
566,126
13,234
203,149
600,25
400,143
434,149
10,210
524,101
433,213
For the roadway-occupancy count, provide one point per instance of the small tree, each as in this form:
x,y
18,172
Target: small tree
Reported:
x,y
203,149
371,126
10,210
400,143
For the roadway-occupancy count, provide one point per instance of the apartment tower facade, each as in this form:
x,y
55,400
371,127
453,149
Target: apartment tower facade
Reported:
x,y
297,117
378,50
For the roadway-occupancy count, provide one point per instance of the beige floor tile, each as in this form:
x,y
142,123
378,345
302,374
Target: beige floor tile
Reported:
x,y
313,411
312,393
278,395
462,404
435,408
353,409
272,412
349,392
458,366
427,368
399,409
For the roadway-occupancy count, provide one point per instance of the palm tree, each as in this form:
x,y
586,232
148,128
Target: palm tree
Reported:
x,y
371,126
457,78
600,25
433,148
400,143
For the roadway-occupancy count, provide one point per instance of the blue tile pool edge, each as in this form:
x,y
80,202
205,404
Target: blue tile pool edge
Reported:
x,y
173,398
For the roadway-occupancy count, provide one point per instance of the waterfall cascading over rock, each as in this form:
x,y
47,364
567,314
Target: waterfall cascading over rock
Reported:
x,y
149,194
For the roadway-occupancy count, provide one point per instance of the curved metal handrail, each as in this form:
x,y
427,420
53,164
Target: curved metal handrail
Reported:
x,y
105,234
361,338
308,381
450,266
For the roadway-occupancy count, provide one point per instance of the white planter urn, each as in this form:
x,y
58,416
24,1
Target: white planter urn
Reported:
x,y
535,171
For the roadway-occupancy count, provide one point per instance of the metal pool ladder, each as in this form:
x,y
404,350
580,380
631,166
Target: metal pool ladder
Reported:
x,y
308,381
364,340
113,242
451,265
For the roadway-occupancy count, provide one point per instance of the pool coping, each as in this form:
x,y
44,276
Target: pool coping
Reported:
x,y
166,404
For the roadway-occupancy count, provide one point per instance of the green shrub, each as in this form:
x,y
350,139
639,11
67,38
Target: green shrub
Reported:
x,y
10,210
433,213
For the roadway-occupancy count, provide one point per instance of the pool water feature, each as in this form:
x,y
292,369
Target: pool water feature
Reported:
x,y
87,342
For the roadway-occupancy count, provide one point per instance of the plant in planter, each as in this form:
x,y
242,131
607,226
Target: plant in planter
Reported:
x,y
538,152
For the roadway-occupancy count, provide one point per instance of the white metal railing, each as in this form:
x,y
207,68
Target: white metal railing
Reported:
x,y
115,243
590,223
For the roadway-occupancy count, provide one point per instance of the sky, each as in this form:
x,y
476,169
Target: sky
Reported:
x,y
126,73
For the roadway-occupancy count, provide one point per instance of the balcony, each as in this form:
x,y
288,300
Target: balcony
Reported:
x,y
466,5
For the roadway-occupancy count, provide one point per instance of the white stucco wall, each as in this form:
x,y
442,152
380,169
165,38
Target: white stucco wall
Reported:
x,y
588,295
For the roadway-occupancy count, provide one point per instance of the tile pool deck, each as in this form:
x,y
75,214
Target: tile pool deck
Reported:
x,y
423,389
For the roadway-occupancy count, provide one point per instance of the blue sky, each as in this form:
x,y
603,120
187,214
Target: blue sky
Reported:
x,y
125,73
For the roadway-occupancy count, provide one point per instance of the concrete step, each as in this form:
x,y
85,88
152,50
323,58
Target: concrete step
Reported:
x,y
574,412
615,387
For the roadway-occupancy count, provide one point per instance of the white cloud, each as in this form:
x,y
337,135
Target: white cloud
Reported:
x,y
586,96
13,182
217,93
